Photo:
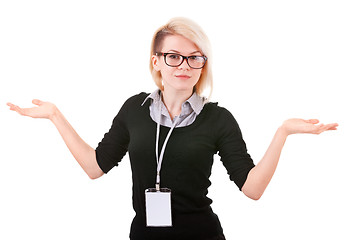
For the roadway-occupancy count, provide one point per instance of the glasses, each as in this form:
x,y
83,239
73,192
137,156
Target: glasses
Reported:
x,y
175,60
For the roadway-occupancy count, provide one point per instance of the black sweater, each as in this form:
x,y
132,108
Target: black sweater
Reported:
x,y
186,167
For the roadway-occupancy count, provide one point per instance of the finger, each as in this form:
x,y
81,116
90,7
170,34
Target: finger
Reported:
x,y
18,110
10,105
332,126
13,107
327,127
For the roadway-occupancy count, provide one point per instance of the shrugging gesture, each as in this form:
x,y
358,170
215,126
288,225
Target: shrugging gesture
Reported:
x,y
181,66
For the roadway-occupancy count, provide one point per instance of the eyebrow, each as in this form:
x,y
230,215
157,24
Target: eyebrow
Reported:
x,y
190,53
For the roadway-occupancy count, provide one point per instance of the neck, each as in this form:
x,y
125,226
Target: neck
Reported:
x,y
174,99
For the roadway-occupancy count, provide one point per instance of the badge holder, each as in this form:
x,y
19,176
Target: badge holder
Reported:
x,y
158,207
158,200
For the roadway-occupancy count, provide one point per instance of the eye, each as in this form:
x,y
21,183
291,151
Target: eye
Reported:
x,y
196,58
173,56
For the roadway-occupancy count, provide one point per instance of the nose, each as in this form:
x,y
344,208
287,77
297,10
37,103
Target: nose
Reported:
x,y
184,65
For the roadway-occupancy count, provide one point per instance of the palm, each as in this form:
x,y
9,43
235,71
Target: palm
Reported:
x,y
43,109
296,125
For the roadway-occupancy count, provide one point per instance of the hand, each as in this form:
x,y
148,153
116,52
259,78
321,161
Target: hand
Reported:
x,y
44,109
295,125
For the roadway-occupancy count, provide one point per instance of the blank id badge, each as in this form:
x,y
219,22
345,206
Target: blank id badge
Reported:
x,y
158,207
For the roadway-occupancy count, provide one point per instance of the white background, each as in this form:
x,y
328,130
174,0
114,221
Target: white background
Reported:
x,y
273,60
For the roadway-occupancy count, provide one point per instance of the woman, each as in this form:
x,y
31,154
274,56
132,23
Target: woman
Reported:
x,y
171,136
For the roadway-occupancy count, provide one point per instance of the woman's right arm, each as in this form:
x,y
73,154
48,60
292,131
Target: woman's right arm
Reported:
x,y
82,152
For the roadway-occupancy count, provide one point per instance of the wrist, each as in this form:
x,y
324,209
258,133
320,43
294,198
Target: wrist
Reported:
x,y
283,130
55,114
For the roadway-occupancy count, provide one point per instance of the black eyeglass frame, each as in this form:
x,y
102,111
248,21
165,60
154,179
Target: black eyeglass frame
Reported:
x,y
183,58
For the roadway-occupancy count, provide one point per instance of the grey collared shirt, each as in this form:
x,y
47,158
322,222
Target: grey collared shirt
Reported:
x,y
190,109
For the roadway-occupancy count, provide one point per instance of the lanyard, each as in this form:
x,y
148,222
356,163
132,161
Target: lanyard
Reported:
x,y
159,159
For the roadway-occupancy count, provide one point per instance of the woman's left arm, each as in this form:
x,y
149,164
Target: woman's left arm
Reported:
x,y
260,176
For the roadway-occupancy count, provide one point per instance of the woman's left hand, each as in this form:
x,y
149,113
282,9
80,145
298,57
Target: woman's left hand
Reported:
x,y
296,125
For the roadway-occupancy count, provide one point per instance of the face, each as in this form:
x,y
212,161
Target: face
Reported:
x,y
183,77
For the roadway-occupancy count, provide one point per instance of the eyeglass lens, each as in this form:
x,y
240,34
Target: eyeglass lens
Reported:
x,y
175,60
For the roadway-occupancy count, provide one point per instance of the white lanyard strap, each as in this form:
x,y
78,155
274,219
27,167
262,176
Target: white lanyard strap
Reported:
x,y
159,159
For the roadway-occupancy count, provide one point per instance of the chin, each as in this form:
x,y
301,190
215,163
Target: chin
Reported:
x,y
184,88
180,86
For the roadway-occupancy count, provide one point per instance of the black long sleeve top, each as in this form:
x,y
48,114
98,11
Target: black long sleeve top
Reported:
x,y
186,167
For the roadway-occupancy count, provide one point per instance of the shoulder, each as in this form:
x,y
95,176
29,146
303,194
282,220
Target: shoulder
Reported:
x,y
218,111
220,118
132,103
136,100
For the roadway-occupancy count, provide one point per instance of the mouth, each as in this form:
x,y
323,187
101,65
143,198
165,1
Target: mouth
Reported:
x,y
182,76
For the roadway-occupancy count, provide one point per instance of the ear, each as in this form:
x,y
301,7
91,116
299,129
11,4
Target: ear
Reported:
x,y
155,62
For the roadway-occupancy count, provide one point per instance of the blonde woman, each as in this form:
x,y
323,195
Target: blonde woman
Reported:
x,y
171,136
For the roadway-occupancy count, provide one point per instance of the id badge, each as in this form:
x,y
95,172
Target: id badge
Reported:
x,y
158,207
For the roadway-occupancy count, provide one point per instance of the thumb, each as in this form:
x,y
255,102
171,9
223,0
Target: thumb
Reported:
x,y
37,102
313,121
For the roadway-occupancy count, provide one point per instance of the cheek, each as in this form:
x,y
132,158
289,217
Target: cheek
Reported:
x,y
197,75
166,73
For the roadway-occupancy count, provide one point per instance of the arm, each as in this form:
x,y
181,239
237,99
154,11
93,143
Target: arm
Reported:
x,y
260,176
82,152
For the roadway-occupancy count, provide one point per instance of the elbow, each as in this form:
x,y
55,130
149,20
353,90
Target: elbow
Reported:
x,y
93,171
94,174
253,187
93,177
253,195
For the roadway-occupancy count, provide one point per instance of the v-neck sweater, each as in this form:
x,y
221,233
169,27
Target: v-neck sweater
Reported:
x,y
186,167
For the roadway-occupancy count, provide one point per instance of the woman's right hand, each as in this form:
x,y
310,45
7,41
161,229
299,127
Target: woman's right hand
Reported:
x,y
83,153
43,109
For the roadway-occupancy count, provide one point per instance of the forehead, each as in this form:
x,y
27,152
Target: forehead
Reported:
x,y
180,44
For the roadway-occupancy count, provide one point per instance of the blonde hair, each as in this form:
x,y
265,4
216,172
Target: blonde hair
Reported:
x,y
192,31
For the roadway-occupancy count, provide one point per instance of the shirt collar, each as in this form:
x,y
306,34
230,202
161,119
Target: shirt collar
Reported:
x,y
196,102
155,96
